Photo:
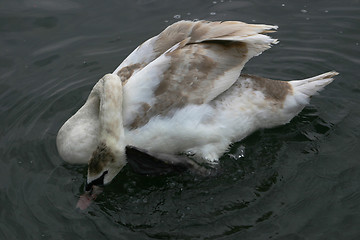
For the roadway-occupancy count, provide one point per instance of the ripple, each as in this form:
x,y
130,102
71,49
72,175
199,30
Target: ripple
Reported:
x,y
20,24
65,5
63,44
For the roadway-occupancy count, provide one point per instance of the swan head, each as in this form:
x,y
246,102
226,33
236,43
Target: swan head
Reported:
x,y
105,163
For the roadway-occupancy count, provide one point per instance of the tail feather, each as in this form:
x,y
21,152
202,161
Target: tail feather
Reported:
x,y
304,89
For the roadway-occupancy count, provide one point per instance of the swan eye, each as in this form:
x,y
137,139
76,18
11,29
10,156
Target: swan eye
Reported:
x,y
97,182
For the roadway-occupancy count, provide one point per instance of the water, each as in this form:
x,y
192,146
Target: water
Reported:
x,y
298,181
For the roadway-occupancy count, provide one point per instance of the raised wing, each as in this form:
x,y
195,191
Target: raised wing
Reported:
x,y
188,63
177,32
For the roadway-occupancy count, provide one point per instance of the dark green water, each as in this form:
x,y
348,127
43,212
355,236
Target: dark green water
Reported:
x,y
298,181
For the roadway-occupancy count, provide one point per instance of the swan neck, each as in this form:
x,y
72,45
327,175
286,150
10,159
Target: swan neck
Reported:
x,y
110,111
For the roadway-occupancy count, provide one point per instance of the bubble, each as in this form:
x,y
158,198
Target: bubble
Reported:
x,y
303,11
283,5
213,13
178,16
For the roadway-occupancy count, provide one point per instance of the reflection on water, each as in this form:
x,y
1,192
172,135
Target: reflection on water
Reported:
x,y
296,181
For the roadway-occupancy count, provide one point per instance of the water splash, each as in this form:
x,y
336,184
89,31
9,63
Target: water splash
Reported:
x,y
239,153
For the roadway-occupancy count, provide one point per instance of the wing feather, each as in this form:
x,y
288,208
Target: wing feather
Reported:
x,y
194,32
189,63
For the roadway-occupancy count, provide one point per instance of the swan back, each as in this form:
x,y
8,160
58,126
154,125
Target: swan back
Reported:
x,y
188,63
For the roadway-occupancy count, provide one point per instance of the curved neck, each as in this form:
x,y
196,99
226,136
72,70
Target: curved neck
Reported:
x,y
109,91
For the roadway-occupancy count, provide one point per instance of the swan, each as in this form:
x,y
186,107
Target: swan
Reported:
x,y
182,92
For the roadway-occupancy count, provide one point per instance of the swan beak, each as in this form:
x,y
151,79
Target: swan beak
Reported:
x,y
99,182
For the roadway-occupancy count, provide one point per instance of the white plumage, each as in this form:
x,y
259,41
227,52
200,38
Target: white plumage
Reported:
x,y
181,91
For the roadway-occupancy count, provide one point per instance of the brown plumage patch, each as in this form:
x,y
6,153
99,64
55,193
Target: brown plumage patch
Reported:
x,y
173,34
146,107
141,120
274,90
100,157
126,72
199,31
191,76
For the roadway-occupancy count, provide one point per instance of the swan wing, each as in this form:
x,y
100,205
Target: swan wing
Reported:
x,y
179,31
205,60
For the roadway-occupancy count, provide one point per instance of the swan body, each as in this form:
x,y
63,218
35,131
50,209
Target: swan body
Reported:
x,y
181,92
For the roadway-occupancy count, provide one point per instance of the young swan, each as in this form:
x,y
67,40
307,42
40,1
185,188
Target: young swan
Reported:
x,y
183,93
109,157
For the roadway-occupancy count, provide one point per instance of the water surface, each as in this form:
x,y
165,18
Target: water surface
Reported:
x,y
297,181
